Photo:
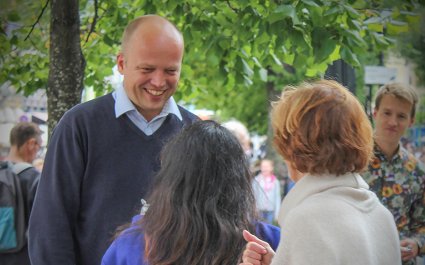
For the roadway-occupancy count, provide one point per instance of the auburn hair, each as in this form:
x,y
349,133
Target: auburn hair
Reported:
x,y
321,128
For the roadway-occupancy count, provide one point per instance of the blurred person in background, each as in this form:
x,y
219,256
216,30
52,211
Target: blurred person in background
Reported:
x,y
395,174
25,142
267,192
241,132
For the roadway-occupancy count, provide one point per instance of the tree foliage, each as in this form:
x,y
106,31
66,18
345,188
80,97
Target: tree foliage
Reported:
x,y
237,53
411,44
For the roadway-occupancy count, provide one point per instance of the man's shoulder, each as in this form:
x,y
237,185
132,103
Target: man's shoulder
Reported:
x,y
21,167
93,106
31,171
91,109
187,115
409,157
26,171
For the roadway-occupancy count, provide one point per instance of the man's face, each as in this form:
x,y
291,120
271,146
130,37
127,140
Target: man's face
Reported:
x,y
151,67
392,119
30,148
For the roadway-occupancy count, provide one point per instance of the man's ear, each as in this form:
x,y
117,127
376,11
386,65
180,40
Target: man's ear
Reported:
x,y
25,147
374,113
120,62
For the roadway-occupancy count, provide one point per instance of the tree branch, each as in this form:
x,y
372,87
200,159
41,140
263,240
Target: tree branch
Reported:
x,y
234,9
38,20
93,25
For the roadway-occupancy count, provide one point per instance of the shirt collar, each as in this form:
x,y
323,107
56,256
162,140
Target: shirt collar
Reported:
x,y
123,104
378,152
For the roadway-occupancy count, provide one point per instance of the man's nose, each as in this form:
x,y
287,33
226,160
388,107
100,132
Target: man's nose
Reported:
x,y
158,79
393,120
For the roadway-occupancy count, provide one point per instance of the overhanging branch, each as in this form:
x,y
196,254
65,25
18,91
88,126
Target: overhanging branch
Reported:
x,y
93,25
38,19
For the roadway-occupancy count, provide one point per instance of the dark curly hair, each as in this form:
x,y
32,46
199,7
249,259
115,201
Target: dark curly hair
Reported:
x,y
201,199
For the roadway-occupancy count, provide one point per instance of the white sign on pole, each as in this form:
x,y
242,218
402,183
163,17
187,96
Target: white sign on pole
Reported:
x,y
379,75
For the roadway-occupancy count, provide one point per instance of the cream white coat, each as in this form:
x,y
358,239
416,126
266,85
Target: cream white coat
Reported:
x,y
335,220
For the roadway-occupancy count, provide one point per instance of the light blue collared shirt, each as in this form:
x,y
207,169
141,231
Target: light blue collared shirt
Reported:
x,y
123,105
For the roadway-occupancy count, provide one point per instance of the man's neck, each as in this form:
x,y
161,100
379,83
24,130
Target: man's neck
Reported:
x,y
389,149
14,156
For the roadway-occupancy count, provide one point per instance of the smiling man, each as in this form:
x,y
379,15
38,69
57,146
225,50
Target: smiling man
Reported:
x,y
150,63
103,153
395,175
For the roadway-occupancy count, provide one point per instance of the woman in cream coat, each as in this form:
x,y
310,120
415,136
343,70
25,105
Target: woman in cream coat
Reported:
x,y
330,216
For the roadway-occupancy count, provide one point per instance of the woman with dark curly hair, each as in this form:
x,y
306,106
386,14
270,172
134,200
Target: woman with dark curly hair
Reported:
x,y
200,203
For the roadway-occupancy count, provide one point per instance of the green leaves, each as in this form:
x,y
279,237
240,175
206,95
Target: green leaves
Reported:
x,y
24,62
349,56
283,12
13,16
236,52
324,43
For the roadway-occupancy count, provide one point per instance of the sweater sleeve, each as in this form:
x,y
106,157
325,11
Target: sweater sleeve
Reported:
x,y
128,248
55,210
110,257
268,233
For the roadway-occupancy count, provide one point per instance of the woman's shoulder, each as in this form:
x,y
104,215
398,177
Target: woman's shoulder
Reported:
x,y
128,247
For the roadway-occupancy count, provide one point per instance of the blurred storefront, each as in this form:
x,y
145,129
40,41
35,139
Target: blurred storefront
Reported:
x,y
15,107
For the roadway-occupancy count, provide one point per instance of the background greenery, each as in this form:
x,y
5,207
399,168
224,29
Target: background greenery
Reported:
x,y
238,54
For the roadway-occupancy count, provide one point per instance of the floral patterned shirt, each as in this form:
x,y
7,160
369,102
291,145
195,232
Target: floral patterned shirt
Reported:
x,y
400,185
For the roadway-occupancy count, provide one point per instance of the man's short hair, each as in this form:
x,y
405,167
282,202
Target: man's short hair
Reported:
x,y
400,91
22,132
321,128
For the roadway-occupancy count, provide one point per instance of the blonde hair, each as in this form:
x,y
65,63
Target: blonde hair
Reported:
x,y
322,128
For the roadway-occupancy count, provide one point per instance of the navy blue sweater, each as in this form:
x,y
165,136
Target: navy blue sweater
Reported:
x,y
97,168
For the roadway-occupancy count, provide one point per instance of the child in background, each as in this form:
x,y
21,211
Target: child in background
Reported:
x,y
267,192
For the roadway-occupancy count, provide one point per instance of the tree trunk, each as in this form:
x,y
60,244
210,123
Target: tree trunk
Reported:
x,y
67,64
271,153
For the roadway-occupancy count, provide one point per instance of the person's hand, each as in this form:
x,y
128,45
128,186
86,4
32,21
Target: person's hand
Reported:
x,y
409,249
257,252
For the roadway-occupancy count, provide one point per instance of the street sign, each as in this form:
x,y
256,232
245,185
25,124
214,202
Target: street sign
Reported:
x,y
379,75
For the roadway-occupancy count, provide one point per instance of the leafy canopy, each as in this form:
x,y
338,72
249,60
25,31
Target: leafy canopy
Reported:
x,y
236,52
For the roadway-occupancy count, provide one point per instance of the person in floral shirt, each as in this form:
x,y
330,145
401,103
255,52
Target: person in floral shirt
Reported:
x,y
397,176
